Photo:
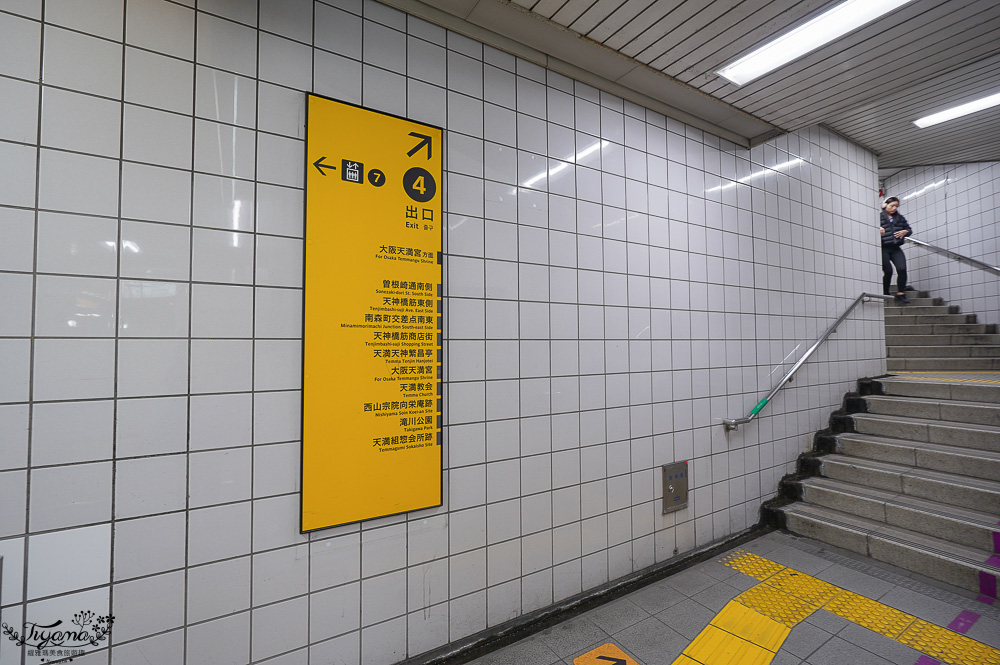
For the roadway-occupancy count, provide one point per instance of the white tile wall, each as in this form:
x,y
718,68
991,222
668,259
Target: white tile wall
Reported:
x,y
617,283
956,207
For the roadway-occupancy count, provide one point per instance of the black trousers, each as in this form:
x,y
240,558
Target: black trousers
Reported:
x,y
893,255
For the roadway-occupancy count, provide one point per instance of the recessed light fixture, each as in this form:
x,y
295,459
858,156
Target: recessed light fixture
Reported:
x,y
958,111
831,24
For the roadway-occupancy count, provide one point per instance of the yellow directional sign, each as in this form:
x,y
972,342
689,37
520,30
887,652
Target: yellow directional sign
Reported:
x,y
371,359
606,654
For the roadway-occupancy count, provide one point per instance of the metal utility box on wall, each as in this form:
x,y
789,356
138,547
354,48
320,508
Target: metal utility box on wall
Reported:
x,y
675,486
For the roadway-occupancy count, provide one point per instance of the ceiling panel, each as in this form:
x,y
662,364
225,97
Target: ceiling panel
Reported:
x,y
870,85
672,28
890,126
544,8
672,38
572,10
856,62
876,119
696,59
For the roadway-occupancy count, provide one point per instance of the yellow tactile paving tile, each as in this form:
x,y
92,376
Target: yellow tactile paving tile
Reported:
x,y
714,646
788,596
755,566
808,588
752,626
684,660
870,614
948,646
778,605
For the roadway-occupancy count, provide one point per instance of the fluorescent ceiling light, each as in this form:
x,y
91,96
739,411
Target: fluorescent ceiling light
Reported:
x,y
842,19
958,111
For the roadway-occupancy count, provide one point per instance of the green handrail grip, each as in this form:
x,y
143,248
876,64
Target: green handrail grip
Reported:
x,y
760,405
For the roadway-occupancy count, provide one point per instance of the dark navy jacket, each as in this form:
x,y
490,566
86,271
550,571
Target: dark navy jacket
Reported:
x,y
898,223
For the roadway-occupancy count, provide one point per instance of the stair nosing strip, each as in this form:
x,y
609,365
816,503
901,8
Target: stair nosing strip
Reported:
x,y
945,448
936,400
948,555
895,502
916,471
917,546
927,421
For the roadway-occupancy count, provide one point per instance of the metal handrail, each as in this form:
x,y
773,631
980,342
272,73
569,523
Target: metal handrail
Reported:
x,y
732,424
955,255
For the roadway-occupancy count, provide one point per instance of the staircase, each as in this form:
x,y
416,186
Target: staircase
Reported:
x,y
909,471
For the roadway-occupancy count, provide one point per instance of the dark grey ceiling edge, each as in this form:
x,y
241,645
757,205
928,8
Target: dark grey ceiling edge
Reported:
x,y
885,174
515,30
966,162
632,94
766,136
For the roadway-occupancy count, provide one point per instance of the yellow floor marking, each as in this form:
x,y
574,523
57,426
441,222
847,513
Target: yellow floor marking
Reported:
x,y
606,654
948,646
752,626
870,614
789,596
737,634
755,566
714,645
777,605
684,660
811,590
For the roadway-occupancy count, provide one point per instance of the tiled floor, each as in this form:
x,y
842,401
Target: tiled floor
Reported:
x,y
654,625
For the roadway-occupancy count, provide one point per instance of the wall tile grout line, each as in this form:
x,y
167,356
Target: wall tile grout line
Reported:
x,y
253,323
310,541
185,631
117,327
26,551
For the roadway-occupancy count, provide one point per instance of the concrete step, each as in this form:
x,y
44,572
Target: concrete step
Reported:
x,y
914,477
920,295
940,340
913,309
958,525
939,559
920,430
969,392
941,329
971,462
972,493
956,411
916,301
955,351
907,318
942,364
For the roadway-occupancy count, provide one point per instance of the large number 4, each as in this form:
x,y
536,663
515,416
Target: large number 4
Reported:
x,y
419,184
